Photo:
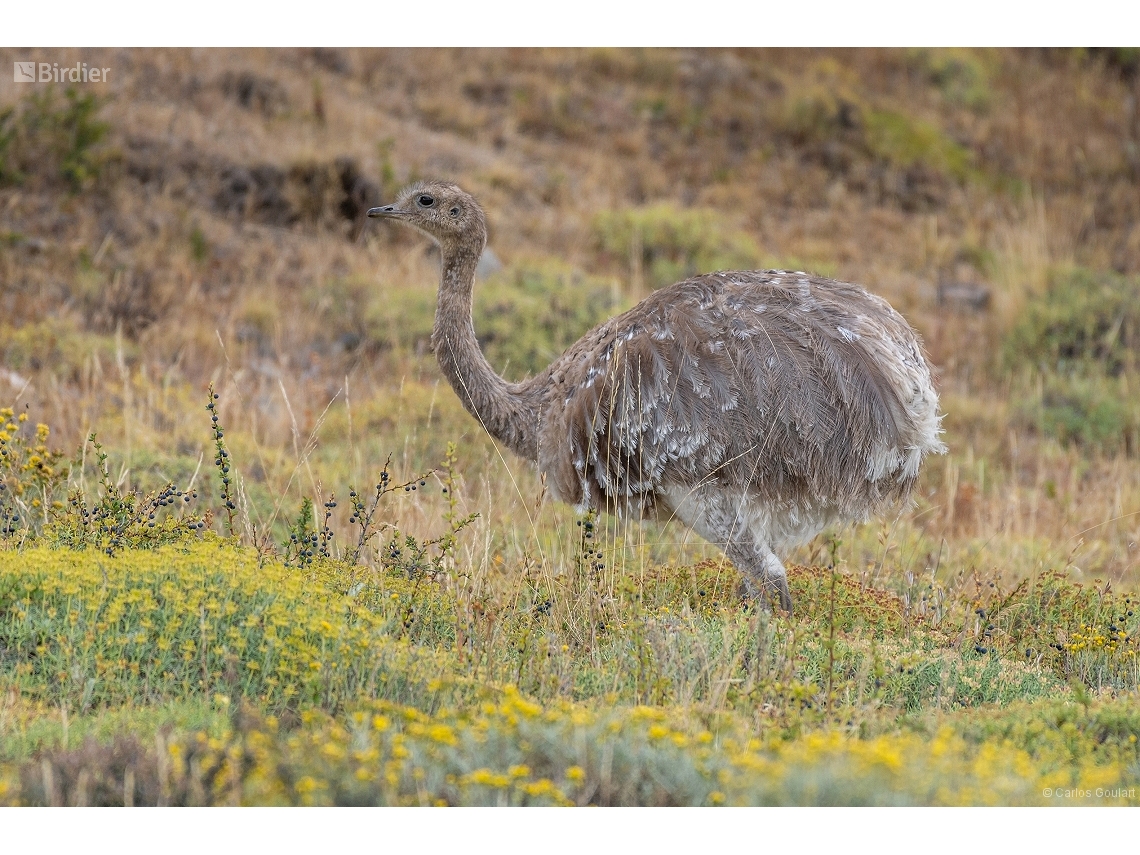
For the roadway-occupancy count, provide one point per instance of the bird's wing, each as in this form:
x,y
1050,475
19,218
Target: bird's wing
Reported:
x,y
733,379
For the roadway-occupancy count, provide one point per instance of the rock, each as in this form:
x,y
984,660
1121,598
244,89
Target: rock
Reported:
x,y
964,295
13,379
489,264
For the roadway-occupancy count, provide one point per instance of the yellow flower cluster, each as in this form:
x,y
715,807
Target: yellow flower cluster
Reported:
x,y
179,621
25,464
1109,639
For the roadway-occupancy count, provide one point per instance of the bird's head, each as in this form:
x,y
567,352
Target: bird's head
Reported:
x,y
441,211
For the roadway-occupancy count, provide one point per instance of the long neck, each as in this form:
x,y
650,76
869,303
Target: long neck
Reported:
x,y
506,413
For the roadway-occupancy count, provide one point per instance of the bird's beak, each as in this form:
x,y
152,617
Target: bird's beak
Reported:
x,y
386,211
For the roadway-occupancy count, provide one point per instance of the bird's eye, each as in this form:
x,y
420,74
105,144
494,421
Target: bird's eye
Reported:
x,y
454,211
426,201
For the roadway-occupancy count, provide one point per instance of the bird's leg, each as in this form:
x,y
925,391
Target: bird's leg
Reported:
x,y
763,574
716,516
776,578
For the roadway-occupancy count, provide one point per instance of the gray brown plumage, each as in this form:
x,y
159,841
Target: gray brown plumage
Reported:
x,y
758,407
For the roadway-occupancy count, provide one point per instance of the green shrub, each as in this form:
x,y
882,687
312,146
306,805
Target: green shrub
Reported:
x,y
1087,633
1090,410
526,317
1075,347
57,345
674,243
121,519
52,139
960,75
817,117
905,142
840,130
1085,320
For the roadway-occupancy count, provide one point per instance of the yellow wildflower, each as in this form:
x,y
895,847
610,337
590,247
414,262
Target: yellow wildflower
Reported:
x,y
488,778
305,785
442,733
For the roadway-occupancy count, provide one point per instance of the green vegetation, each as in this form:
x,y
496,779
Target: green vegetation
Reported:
x,y
962,76
526,317
670,244
56,345
840,129
351,687
1084,409
904,142
1077,344
1085,321
58,140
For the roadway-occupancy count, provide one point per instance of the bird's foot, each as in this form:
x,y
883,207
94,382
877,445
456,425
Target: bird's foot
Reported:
x,y
753,591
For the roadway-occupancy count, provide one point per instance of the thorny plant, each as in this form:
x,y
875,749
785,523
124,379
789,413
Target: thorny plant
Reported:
x,y
451,516
31,477
222,461
121,519
306,542
833,549
462,580
413,557
1088,634
364,513
588,565
324,539
301,547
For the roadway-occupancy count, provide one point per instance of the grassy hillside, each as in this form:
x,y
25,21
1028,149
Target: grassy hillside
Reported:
x,y
349,594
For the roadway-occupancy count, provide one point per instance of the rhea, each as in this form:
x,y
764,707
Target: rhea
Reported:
x,y
758,407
